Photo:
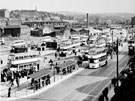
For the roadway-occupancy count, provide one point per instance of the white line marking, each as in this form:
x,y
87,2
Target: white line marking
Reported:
x,y
99,83
106,86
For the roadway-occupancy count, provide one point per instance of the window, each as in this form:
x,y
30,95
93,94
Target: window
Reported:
x,y
102,58
91,60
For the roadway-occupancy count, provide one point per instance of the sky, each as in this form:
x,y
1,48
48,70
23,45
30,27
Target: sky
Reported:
x,y
84,6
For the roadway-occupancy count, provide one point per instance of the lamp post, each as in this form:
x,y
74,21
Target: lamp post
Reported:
x,y
54,72
112,38
117,69
112,46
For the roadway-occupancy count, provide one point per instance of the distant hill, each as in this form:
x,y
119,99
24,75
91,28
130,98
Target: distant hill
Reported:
x,y
100,16
38,15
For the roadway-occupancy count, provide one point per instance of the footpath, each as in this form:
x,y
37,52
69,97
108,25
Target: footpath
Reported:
x,y
111,88
111,92
25,90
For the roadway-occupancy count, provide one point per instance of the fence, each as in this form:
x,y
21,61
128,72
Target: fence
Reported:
x,y
29,89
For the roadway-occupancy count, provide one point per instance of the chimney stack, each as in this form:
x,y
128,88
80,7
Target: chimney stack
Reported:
x,y
87,20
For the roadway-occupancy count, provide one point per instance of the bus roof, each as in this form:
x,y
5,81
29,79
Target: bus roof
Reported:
x,y
95,50
70,46
24,54
25,61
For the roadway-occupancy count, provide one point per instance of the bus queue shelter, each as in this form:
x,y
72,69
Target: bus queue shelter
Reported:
x,y
41,73
66,64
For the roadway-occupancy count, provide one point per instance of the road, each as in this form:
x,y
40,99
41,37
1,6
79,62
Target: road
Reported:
x,y
83,86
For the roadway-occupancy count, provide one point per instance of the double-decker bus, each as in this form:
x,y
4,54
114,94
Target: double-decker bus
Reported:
x,y
97,57
17,43
20,61
131,47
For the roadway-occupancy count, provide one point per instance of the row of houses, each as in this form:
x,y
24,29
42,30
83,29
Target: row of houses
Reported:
x,y
18,30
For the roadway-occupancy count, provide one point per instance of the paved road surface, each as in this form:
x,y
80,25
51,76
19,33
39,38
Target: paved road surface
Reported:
x,y
84,86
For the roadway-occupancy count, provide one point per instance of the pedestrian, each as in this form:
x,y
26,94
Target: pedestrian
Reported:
x,y
17,82
1,61
39,53
42,82
36,84
2,77
48,79
75,53
50,62
12,81
101,98
9,91
55,55
105,93
113,82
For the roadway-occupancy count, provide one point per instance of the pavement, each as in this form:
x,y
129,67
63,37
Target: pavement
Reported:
x,y
21,92
25,91
24,82
85,85
111,92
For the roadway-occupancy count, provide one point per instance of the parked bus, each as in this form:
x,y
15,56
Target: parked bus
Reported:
x,y
97,57
22,61
131,47
17,43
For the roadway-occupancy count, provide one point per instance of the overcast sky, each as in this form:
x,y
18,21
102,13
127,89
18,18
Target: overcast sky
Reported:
x,y
90,6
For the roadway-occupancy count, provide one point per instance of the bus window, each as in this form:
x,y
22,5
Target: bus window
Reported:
x,y
91,60
102,58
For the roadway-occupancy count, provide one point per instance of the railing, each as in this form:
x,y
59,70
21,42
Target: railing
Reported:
x,y
17,91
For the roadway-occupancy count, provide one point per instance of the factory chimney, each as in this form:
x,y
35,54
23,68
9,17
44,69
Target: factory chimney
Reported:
x,y
87,20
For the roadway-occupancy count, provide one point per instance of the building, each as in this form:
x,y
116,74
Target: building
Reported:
x,y
79,25
15,30
14,21
3,22
43,31
4,13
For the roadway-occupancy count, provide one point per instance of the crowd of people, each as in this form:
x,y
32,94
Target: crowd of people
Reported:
x,y
58,69
10,76
37,84
126,91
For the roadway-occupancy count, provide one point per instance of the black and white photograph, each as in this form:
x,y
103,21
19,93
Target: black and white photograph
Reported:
x,y
67,50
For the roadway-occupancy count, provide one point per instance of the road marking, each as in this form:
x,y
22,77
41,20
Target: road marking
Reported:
x,y
109,82
84,88
99,83
71,91
105,86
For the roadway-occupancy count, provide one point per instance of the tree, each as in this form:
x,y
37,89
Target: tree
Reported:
x,y
97,21
133,21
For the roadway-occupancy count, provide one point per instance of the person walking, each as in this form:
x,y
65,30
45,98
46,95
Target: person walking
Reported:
x,y
12,81
17,82
101,97
1,61
9,91
105,94
55,55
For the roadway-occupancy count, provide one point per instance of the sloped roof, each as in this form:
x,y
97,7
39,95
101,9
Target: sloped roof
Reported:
x,y
68,63
39,74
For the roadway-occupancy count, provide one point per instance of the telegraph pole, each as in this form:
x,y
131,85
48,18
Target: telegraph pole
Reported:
x,y
117,70
112,45
112,38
